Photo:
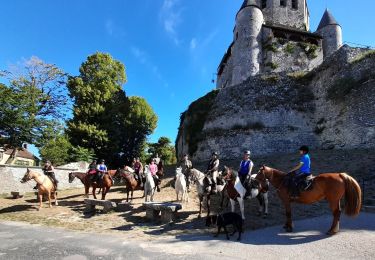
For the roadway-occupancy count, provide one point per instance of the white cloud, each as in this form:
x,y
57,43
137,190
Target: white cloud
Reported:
x,y
170,15
193,44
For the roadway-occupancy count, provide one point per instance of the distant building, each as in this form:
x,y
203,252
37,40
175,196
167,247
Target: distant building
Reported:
x,y
272,36
23,157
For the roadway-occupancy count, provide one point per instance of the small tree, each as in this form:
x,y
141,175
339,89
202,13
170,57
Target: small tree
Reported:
x,y
164,149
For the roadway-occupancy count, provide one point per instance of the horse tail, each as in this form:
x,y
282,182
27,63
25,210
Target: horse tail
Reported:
x,y
353,195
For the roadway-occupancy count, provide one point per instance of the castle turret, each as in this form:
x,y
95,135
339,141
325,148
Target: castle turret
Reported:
x,y
331,32
246,50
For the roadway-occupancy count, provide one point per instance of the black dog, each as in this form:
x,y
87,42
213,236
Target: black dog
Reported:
x,y
223,220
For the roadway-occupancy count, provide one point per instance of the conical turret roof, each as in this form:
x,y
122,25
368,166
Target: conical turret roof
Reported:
x,y
327,19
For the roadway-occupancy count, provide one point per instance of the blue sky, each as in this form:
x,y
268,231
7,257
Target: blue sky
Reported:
x,y
171,48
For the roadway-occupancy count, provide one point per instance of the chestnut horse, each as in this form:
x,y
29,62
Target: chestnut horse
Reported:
x,y
329,186
45,186
105,184
131,183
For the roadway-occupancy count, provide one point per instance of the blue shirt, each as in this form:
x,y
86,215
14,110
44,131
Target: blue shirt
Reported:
x,y
244,167
306,167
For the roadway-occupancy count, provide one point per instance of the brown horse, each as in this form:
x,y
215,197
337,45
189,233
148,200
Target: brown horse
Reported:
x,y
329,186
130,182
45,186
105,184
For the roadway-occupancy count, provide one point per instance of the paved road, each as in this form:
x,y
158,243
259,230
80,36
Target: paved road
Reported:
x,y
355,241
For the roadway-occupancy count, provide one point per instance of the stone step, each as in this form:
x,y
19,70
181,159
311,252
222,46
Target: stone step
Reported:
x,y
369,209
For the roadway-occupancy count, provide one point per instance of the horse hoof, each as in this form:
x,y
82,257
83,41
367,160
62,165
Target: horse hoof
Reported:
x,y
331,233
199,216
265,216
289,229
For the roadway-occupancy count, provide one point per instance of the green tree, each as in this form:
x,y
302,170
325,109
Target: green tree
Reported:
x,y
56,150
164,149
140,122
95,91
33,101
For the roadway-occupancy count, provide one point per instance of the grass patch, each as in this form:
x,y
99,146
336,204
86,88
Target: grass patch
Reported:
x,y
271,47
271,78
309,49
365,55
289,48
272,65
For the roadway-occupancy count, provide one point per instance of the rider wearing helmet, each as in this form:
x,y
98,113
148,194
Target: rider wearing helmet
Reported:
x,y
102,169
302,171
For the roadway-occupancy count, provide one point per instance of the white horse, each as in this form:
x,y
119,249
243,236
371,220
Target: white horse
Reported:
x,y
180,186
203,189
150,186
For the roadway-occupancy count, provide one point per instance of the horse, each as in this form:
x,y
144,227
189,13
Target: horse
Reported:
x,y
45,186
105,184
131,183
180,186
160,172
150,186
203,188
234,184
329,186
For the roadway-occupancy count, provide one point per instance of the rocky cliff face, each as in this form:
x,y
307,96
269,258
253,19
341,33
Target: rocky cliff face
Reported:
x,y
332,106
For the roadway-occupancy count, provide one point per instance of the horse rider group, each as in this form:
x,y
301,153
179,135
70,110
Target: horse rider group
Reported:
x,y
97,171
299,176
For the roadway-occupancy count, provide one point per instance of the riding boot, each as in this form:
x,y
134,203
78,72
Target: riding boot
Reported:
x,y
213,188
157,188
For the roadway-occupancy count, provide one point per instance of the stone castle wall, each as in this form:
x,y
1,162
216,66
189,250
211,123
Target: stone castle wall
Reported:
x,y
12,175
328,108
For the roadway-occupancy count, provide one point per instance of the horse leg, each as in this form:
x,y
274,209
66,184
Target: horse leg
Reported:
x,y
335,207
261,202
104,192
242,207
49,199
208,205
288,212
87,187
56,202
40,195
265,205
93,191
232,204
200,206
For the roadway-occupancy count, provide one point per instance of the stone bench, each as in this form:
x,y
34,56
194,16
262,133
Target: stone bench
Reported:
x,y
92,203
17,194
168,211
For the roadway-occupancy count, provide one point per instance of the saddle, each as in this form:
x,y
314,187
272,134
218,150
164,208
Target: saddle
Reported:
x,y
297,184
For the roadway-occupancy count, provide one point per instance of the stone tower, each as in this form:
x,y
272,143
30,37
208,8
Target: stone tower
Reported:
x,y
331,32
290,13
246,50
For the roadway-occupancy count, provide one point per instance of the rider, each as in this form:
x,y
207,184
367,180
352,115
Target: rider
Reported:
x,y
92,172
302,171
102,169
186,165
138,169
154,169
212,170
244,172
50,172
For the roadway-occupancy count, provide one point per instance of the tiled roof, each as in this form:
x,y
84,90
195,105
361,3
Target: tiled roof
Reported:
x,y
21,153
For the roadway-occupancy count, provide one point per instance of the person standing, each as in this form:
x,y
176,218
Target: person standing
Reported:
x,y
212,171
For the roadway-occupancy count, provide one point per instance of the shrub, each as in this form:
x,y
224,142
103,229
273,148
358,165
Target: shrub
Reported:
x,y
271,47
272,65
289,48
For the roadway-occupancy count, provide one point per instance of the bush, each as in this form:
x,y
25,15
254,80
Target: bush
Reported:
x,y
289,48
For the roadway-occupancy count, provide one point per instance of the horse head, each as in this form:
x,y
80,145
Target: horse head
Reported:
x,y
28,176
71,177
